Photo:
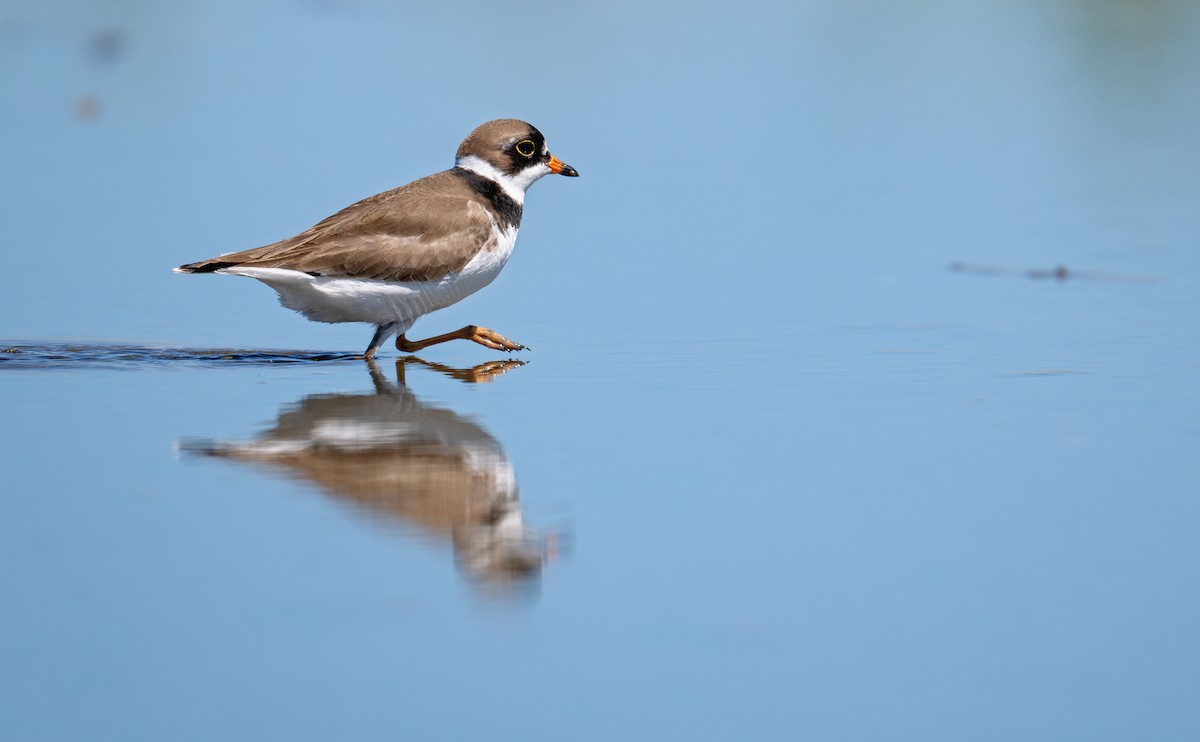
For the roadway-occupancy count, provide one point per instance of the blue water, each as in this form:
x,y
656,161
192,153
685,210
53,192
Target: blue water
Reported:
x,y
863,401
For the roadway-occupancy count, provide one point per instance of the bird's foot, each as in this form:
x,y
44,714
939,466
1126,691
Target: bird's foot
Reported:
x,y
494,340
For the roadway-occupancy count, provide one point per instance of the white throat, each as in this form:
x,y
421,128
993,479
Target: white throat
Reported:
x,y
513,185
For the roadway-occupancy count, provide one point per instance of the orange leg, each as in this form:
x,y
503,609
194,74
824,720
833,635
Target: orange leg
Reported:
x,y
482,335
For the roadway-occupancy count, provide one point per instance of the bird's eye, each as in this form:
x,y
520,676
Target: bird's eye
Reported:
x,y
526,148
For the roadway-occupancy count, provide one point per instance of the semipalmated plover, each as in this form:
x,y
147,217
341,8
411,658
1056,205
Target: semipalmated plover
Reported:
x,y
403,253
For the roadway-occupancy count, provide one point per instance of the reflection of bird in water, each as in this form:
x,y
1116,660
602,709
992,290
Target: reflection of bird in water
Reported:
x,y
398,457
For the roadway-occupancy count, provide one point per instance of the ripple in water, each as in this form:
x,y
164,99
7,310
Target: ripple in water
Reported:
x,y
90,355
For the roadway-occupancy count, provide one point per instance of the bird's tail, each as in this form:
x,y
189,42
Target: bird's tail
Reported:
x,y
205,266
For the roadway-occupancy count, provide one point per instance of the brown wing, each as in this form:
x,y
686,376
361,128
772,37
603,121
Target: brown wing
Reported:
x,y
418,232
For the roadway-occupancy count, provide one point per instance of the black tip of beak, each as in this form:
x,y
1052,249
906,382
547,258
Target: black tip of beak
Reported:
x,y
569,171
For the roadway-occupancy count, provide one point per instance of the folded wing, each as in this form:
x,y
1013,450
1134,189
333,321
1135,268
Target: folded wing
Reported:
x,y
418,232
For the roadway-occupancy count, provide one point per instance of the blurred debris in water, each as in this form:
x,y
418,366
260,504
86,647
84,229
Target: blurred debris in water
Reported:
x,y
1059,273
107,46
86,108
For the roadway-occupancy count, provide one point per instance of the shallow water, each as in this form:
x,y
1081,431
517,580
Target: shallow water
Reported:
x,y
864,402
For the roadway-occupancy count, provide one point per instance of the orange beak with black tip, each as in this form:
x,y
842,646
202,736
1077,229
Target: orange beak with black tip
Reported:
x,y
559,167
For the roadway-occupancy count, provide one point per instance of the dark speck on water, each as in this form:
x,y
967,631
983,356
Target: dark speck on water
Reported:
x,y
106,47
1059,273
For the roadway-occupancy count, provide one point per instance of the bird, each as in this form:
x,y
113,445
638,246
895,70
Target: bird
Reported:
x,y
398,255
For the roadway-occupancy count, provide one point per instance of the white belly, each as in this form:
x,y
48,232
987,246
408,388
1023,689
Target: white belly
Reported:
x,y
325,299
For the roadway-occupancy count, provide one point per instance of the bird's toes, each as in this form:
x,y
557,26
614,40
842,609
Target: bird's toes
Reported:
x,y
493,339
